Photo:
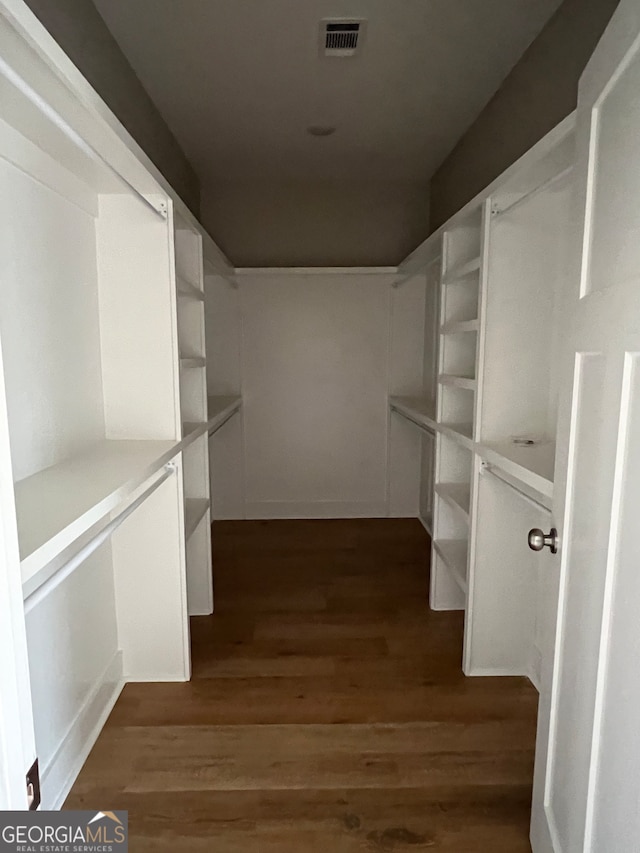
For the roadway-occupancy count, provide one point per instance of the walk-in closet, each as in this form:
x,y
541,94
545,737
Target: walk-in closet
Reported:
x,y
427,390
154,395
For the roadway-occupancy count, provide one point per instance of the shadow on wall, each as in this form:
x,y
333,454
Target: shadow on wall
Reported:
x,y
85,38
316,224
541,90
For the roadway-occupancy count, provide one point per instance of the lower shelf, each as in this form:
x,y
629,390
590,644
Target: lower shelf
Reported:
x,y
192,361
427,522
415,409
195,510
453,553
457,495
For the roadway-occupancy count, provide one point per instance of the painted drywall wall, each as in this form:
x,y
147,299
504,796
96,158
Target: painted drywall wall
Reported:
x,y
316,224
83,35
320,352
540,91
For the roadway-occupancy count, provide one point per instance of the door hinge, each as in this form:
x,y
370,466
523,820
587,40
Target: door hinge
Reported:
x,y
33,786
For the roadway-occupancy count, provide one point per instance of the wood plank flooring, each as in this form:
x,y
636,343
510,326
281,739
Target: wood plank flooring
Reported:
x,y
327,711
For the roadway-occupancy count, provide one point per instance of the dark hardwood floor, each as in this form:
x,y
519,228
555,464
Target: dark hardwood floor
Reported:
x,y
327,712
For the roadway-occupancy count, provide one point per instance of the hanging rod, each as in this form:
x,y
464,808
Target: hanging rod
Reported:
x,y
32,599
534,192
489,469
424,427
71,134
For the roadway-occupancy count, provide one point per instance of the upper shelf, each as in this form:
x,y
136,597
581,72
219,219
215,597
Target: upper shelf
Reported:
x,y
530,464
189,290
192,430
220,409
466,382
419,411
461,272
56,506
459,327
192,361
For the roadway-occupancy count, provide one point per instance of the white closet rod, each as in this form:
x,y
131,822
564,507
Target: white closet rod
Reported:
x,y
534,192
488,469
34,598
221,423
411,420
68,131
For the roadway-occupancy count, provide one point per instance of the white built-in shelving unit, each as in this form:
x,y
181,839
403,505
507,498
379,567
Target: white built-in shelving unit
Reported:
x,y
189,276
413,390
104,409
224,388
121,327
501,287
461,299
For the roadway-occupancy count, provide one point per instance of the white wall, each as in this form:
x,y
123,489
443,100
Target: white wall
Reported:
x,y
320,351
48,323
315,368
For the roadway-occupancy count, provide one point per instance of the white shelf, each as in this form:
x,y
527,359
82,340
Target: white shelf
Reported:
x,y
195,510
460,327
453,553
56,506
532,465
465,382
415,409
462,433
193,430
192,361
462,271
457,495
220,409
188,290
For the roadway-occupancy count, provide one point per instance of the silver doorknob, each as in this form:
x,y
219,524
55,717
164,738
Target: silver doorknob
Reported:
x,y
539,540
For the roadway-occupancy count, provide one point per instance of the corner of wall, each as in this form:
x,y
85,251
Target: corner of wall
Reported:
x,y
540,91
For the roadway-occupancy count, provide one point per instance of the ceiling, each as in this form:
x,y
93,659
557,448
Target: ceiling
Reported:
x,y
239,81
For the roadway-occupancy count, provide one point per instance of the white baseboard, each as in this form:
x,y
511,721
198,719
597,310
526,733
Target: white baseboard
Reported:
x,y
64,766
493,671
315,509
156,678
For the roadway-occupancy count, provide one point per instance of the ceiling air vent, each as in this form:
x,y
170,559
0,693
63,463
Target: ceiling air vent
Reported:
x,y
341,37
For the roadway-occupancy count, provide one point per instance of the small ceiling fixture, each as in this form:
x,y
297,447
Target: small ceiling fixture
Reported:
x,y
321,130
341,37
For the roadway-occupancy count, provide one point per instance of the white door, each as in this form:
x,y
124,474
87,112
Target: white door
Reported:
x,y
17,744
587,781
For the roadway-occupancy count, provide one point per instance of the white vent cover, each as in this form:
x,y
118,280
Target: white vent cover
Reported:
x,y
341,37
